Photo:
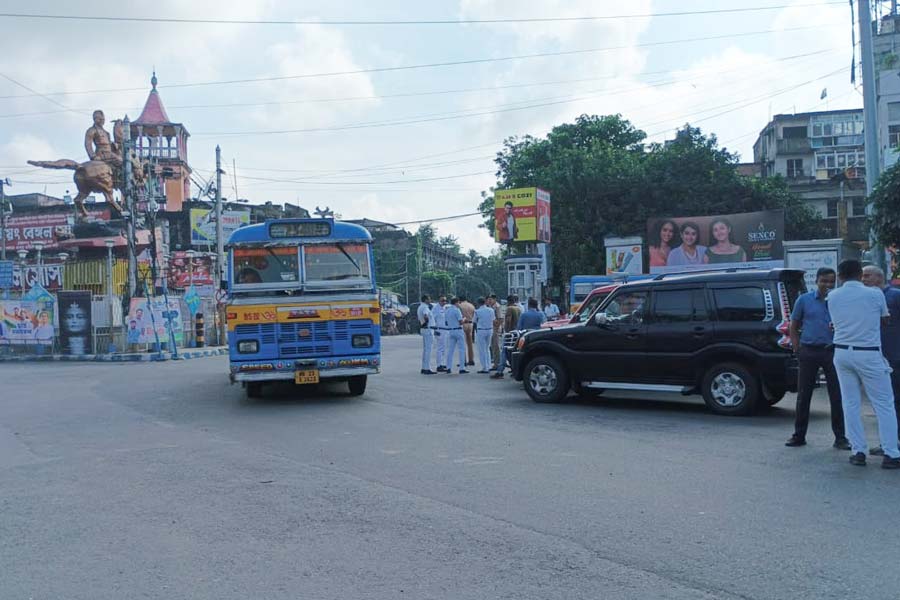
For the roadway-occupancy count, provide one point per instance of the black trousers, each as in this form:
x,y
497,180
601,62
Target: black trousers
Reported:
x,y
810,360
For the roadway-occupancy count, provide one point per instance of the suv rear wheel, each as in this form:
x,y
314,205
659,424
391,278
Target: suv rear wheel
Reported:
x,y
546,380
730,389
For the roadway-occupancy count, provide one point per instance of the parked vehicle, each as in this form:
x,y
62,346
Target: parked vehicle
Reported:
x,y
591,302
721,334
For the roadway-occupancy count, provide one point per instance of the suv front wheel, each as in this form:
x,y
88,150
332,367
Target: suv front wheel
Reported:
x,y
730,389
546,380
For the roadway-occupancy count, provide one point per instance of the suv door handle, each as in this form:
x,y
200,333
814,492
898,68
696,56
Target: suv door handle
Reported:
x,y
699,331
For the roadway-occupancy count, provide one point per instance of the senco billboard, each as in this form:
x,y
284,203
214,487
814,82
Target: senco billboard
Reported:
x,y
693,243
522,215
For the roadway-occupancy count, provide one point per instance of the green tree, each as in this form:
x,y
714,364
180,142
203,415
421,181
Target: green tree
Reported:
x,y
605,181
886,207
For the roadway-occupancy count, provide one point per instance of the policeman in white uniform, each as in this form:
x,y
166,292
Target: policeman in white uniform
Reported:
x,y
457,340
857,313
484,329
439,327
424,315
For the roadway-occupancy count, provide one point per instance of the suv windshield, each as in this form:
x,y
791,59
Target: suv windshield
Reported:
x,y
335,262
588,307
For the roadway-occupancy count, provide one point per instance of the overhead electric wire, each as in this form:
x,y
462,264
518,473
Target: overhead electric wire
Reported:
x,y
38,94
311,22
444,64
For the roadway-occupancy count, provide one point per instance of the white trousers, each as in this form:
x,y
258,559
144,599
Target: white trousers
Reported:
x,y
427,341
867,370
440,347
483,346
456,340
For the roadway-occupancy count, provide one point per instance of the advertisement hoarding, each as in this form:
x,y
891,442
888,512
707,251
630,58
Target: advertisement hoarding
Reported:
x,y
145,328
522,215
75,327
183,270
718,241
624,255
203,225
50,229
26,322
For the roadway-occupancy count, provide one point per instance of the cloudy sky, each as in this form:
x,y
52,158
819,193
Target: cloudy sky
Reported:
x,y
332,116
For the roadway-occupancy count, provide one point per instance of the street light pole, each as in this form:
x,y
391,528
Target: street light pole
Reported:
x,y
109,286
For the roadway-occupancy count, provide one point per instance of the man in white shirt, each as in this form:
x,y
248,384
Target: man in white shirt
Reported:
x,y
551,310
424,315
857,313
439,327
484,329
454,319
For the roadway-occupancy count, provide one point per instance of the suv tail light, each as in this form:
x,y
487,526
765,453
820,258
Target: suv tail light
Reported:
x,y
784,327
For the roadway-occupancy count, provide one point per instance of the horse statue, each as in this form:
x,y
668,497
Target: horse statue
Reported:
x,y
103,172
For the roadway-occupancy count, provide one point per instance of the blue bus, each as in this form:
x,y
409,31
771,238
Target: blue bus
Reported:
x,y
302,304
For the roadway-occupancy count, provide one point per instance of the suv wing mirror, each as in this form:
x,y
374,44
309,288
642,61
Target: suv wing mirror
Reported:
x,y
601,319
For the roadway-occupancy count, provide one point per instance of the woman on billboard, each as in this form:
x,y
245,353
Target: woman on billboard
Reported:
x,y
663,239
724,250
689,252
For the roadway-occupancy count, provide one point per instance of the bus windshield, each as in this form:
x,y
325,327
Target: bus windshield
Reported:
x,y
324,263
266,266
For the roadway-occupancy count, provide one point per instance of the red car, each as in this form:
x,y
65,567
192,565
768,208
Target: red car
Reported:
x,y
591,302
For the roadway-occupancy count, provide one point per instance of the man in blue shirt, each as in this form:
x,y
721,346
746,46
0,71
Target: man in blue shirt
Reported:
x,y
454,320
811,338
531,318
890,334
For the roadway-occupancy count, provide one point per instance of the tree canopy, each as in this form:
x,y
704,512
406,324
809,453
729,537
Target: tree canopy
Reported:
x,y
604,180
886,207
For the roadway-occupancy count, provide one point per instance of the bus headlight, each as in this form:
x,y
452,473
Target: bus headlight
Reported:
x,y
248,346
362,341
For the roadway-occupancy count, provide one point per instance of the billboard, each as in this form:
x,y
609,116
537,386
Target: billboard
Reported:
x,y
75,331
199,272
203,225
26,322
522,215
624,255
718,241
146,322
50,229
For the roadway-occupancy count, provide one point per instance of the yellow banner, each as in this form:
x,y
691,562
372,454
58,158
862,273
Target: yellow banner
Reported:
x,y
302,313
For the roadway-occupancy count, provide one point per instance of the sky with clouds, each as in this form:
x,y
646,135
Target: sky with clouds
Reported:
x,y
404,144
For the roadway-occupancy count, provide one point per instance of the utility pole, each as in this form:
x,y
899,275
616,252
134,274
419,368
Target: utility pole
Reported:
x,y
3,182
128,197
870,120
220,243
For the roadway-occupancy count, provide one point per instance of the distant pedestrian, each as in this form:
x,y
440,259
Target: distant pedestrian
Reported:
x,y
531,318
494,303
890,335
468,312
510,321
484,328
439,327
454,318
812,340
551,310
857,313
424,316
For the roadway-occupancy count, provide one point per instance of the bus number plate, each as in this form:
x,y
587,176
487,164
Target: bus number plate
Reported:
x,y
306,376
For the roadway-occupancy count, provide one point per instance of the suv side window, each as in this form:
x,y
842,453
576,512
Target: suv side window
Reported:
x,y
677,306
627,307
740,304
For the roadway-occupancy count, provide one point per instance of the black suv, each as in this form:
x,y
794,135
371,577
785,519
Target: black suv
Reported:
x,y
722,334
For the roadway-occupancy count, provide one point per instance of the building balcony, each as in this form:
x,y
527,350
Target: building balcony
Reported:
x,y
793,146
157,152
836,140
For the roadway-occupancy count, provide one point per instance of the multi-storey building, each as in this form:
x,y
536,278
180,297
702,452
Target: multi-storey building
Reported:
x,y
821,155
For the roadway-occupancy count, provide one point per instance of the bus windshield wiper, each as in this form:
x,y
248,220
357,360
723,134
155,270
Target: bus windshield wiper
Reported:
x,y
350,258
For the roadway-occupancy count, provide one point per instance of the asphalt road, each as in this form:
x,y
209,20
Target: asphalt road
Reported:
x,y
163,481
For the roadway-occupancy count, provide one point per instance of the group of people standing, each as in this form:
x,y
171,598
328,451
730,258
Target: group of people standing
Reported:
x,y
852,333
679,245
461,330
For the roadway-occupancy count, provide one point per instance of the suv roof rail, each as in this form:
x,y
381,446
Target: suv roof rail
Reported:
x,y
701,271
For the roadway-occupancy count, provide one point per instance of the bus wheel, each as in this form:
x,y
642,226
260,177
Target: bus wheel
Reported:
x,y
254,389
357,385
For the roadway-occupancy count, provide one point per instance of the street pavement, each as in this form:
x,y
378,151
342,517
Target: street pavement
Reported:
x,y
163,481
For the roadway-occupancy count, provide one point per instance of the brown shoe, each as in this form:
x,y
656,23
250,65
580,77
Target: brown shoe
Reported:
x,y
890,463
858,459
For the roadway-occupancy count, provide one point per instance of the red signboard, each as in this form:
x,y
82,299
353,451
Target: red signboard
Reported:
x,y
51,229
183,270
